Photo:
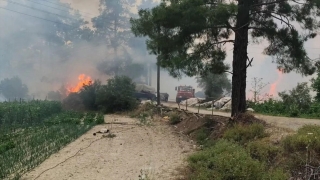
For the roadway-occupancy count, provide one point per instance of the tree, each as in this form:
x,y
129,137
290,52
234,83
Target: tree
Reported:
x,y
315,85
88,94
298,98
13,88
214,85
112,25
117,95
189,36
257,86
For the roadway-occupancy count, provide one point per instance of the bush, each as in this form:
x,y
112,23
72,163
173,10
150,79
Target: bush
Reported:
x,y
263,151
307,137
100,118
117,95
245,133
174,119
226,160
73,102
88,95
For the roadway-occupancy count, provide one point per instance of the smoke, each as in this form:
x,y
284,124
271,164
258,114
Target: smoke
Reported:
x,y
41,44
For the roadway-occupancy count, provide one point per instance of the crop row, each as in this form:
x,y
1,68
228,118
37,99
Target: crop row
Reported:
x,y
25,146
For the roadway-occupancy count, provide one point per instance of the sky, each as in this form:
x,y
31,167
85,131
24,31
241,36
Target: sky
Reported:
x,y
262,66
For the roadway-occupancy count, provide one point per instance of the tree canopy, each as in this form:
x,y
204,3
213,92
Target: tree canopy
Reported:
x,y
189,36
13,88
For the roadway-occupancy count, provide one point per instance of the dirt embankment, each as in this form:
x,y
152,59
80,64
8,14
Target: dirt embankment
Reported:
x,y
155,150
282,122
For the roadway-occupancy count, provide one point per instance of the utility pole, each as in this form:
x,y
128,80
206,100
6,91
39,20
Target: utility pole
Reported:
x,y
158,75
158,83
149,73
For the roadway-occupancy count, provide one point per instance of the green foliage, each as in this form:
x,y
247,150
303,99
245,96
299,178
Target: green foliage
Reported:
x,y
307,138
227,160
202,135
100,118
295,103
5,146
315,84
117,95
298,96
73,102
174,119
263,151
245,133
39,128
214,84
88,95
13,88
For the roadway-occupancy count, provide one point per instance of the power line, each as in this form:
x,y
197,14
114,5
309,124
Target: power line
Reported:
x,y
36,17
66,7
37,9
54,8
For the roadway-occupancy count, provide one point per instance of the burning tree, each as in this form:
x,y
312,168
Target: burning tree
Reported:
x,y
189,36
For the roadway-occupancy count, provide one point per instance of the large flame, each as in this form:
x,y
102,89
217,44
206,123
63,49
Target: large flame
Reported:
x,y
273,86
83,80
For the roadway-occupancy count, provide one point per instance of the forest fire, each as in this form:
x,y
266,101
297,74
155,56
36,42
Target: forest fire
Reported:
x,y
83,80
273,86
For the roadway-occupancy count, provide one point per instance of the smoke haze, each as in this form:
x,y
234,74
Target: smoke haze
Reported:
x,y
27,50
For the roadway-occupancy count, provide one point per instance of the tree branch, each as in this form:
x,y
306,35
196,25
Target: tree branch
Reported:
x,y
287,22
275,2
250,61
228,72
224,42
269,3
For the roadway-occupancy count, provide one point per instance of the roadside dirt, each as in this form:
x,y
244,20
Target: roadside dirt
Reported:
x,y
156,150
282,122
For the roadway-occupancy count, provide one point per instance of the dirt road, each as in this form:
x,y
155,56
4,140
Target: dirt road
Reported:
x,y
156,150
283,122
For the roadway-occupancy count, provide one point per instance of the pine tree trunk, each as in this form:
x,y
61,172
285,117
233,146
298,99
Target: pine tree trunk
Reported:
x,y
240,59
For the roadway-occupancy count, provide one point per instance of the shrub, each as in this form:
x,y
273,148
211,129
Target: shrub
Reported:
x,y
245,133
202,135
88,94
307,137
100,118
263,151
174,119
73,102
226,160
117,95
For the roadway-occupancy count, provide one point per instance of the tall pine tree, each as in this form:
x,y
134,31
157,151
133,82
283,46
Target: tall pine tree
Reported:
x,y
189,36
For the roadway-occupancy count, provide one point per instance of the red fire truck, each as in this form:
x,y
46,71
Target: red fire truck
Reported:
x,y
184,92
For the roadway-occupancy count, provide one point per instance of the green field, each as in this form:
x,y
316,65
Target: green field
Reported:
x,y
31,131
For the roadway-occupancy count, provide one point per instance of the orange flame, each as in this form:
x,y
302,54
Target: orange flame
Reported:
x,y
273,86
83,80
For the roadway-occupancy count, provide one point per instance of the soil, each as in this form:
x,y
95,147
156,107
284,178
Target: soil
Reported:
x,y
156,150
282,122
